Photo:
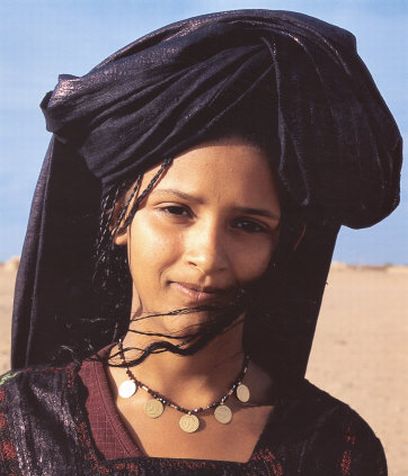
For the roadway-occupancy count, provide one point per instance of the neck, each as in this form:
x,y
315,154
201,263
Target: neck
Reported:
x,y
193,380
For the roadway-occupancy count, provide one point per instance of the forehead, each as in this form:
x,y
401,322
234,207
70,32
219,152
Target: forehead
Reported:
x,y
229,169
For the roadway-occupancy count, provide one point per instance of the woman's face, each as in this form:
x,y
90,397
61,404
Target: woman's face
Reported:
x,y
210,224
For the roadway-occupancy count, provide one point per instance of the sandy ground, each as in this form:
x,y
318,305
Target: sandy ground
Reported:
x,y
359,353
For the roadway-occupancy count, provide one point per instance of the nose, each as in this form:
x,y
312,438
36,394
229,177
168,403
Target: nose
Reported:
x,y
206,247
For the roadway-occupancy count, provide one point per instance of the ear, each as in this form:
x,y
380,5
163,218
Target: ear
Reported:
x,y
126,200
121,239
121,235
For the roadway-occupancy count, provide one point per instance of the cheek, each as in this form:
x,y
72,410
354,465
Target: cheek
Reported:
x,y
252,261
152,248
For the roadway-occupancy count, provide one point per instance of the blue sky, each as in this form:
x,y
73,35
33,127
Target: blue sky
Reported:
x,y
40,39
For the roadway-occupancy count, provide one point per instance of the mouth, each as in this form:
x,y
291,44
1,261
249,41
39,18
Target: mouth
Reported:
x,y
199,294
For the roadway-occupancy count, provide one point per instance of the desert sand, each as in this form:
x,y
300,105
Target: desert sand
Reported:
x,y
359,353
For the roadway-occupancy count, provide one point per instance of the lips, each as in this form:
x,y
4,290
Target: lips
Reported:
x,y
205,289
197,293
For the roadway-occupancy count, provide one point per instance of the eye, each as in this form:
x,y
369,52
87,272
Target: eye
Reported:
x,y
176,210
249,226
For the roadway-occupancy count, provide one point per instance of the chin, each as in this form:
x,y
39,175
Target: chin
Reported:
x,y
184,323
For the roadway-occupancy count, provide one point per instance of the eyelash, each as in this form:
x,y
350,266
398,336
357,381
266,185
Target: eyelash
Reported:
x,y
175,207
254,227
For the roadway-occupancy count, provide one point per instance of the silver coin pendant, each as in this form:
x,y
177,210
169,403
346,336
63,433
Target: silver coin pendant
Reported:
x,y
189,423
223,414
153,408
127,389
243,393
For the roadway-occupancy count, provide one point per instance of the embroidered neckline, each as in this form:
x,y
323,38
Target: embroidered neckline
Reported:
x,y
260,452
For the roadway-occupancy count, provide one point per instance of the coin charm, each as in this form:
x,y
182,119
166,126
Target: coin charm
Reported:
x,y
189,423
127,389
243,393
153,408
223,414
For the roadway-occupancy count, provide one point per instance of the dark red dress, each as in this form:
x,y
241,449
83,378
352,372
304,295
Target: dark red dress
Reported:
x,y
62,421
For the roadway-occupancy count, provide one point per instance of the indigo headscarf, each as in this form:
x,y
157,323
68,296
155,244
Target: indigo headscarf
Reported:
x,y
338,156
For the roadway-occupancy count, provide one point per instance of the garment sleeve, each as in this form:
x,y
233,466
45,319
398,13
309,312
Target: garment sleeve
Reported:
x,y
8,451
366,457
343,444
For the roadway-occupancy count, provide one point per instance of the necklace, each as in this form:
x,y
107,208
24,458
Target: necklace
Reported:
x,y
189,422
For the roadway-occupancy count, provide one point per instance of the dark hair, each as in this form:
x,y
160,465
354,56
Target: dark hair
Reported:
x,y
112,275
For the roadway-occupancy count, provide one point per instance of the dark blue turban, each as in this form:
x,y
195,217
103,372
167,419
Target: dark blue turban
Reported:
x,y
338,152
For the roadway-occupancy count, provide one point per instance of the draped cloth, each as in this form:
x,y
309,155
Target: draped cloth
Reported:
x,y
338,155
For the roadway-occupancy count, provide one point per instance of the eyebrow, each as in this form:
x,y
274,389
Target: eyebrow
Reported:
x,y
246,210
258,211
178,193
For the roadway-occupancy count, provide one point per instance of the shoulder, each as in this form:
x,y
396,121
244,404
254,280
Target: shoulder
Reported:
x,y
30,389
35,394
327,410
42,378
35,409
334,438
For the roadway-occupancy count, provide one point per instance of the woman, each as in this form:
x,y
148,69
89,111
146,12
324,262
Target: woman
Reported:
x,y
224,153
